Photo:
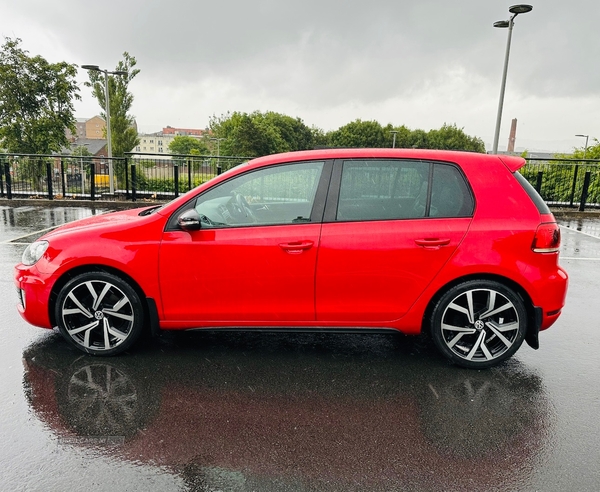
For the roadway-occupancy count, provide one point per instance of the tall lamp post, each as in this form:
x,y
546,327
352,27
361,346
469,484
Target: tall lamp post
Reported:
x,y
586,145
218,140
514,10
394,133
96,68
576,171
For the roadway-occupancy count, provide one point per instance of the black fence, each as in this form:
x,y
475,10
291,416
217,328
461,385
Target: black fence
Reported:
x,y
565,183
561,183
134,177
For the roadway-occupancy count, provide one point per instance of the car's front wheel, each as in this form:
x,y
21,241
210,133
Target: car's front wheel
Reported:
x,y
99,313
479,323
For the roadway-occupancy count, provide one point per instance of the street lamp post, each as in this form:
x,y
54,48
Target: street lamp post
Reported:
x,y
82,169
218,140
581,205
96,68
576,171
515,10
394,132
586,145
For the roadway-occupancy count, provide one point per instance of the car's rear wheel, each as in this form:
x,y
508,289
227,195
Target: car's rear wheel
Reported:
x,y
99,313
479,323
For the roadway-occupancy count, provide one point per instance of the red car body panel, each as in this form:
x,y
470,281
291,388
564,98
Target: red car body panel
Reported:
x,y
260,274
331,274
376,273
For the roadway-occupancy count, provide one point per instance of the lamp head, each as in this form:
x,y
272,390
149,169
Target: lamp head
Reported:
x,y
520,9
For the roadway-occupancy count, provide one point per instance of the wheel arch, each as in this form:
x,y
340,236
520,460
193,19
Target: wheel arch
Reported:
x,y
532,323
69,274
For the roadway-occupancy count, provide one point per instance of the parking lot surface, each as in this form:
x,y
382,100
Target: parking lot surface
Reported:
x,y
297,412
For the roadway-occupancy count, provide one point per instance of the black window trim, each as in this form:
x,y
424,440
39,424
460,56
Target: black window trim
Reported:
x,y
316,215
331,206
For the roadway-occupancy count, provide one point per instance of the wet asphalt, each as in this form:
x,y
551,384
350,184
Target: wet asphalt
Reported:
x,y
297,412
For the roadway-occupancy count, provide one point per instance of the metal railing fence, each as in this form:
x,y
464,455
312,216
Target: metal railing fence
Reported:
x,y
135,176
560,182
565,183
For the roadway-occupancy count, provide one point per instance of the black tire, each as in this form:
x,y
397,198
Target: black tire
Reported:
x,y
99,313
479,323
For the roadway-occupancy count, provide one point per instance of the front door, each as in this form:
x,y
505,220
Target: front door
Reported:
x,y
254,258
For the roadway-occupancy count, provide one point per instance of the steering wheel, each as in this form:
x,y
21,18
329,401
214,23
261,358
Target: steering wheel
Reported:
x,y
242,209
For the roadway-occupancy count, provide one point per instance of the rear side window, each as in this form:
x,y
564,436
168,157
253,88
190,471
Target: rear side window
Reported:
x,y
402,189
533,194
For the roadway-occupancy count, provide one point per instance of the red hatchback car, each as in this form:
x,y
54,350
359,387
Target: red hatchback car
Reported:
x,y
455,244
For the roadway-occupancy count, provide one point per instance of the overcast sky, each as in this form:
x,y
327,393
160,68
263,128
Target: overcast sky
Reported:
x,y
415,63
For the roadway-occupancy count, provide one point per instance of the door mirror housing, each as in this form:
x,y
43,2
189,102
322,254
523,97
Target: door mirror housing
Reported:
x,y
190,220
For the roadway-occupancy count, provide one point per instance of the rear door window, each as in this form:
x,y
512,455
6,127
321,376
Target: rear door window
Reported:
x,y
402,189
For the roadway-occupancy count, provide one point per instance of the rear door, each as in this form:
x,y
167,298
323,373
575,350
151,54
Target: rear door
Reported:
x,y
390,226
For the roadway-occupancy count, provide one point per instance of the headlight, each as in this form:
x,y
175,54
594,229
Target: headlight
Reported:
x,y
34,252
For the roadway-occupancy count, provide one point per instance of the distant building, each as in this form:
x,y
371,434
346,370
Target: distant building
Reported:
x,y
192,132
88,128
154,143
158,143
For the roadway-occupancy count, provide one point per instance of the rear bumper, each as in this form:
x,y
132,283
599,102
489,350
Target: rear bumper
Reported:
x,y
554,295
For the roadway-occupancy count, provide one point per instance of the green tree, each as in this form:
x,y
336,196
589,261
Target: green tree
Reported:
x,y
122,124
450,137
592,152
258,134
360,134
36,101
186,145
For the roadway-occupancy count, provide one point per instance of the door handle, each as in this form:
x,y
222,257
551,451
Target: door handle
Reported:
x,y
432,242
296,247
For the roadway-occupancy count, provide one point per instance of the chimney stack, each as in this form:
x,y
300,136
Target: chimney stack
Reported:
x,y
513,136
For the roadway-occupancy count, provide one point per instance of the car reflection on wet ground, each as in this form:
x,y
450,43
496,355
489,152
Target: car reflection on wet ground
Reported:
x,y
266,412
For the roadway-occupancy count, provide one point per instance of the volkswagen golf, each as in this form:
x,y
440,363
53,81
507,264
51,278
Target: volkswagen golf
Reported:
x,y
456,245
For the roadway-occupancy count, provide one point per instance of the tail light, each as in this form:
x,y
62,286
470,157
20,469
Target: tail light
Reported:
x,y
547,238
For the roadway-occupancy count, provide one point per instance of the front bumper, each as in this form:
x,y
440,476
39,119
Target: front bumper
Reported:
x,y
33,293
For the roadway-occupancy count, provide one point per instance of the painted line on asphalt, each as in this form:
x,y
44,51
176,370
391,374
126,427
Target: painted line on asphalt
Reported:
x,y
16,239
578,258
580,232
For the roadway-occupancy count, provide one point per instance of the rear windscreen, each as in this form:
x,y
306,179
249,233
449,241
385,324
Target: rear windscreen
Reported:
x,y
534,195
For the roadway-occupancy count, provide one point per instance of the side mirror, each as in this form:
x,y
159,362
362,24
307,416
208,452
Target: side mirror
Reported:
x,y
190,221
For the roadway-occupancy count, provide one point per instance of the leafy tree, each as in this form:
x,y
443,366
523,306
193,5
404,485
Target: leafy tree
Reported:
x,y
592,152
360,134
372,134
186,145
122,125
36,101
259,133
450,137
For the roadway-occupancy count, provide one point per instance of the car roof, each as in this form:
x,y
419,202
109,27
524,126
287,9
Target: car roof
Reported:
x,y
471,159
513,163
